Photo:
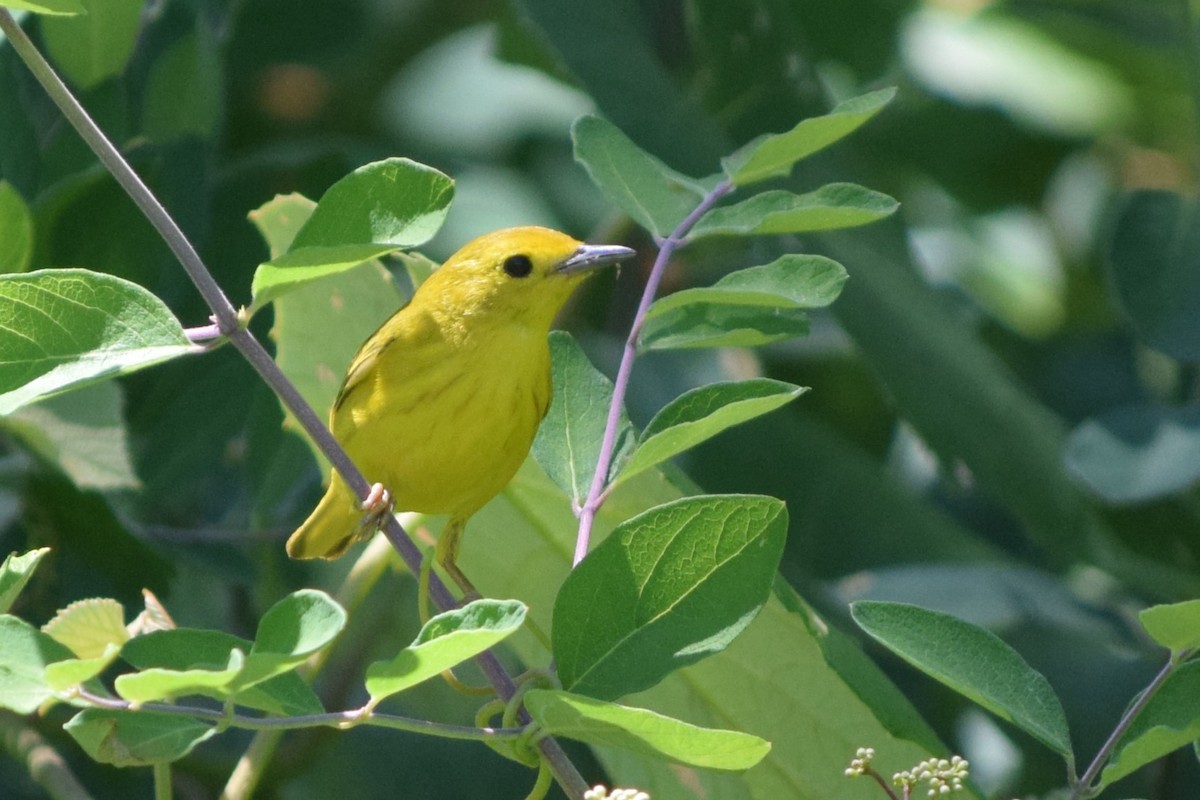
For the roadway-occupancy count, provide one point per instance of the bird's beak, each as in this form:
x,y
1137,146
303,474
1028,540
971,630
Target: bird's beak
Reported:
x,y
594,256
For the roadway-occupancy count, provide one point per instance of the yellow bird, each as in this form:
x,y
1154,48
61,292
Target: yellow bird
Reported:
x,y
441,404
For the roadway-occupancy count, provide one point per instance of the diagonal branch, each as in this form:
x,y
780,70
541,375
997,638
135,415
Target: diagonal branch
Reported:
x,y
227,322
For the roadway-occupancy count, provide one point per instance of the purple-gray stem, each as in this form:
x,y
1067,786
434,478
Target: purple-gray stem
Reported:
x,y
608,445
225,318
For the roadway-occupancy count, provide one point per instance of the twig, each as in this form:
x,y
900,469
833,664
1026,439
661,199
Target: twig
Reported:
x,y
226,319
608,445
43,763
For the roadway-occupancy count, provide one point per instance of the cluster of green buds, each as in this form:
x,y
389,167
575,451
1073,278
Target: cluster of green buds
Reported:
x,y
943,775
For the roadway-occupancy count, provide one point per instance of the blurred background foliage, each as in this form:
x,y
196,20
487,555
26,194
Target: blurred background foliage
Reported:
x,y
1003,421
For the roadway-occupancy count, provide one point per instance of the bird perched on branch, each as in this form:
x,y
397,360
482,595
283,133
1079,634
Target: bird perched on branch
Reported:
x,y
441,404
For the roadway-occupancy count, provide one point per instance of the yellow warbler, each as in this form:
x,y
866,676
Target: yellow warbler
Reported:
x,y
441,404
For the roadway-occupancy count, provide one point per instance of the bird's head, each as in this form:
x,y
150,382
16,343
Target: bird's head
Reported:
x,y
516,275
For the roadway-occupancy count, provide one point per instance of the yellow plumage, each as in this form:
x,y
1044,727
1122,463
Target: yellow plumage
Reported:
x,y
441,404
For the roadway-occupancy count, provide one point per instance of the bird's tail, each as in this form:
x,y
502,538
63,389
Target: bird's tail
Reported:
x,y
332,526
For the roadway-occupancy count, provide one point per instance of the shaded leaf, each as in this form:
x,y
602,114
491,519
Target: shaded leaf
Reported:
x,y
81,433
447,640
1137,453
184,649
69,327
135,738
24,653
599,723
567,444
16,230
96,45
1155,262
15,572
289,632
972,661
667,588
836,205
702,413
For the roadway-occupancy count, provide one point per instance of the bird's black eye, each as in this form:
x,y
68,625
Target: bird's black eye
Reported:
x,y
518,266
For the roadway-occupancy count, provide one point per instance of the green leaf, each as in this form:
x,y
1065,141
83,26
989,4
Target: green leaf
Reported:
x,y
185,649
447,640
638,730
63,675
94,46
183,94
702,413
1137,453
292,630
81,433
157,683
836,205
65,7
774,156
654,195
88,627
1169,721
377,208
567,444
24,653
1175,626
746,308
973,662
1155,262
15,572
136,738
667,588
70,327
16,230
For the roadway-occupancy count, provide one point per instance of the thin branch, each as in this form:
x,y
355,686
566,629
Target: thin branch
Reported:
x,y
608,445
1084,788
226,319
41,761
341,720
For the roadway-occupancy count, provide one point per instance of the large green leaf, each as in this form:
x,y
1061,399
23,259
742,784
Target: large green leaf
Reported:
x,y
702,413
774,156
788,671
567,444
289,632
973,662
446,641
747,308
835,205
668,587
48,6
598,722
70,327
654,195
377,208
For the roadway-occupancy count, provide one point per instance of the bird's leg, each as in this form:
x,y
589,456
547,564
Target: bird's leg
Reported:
x,y
376,507
446,554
